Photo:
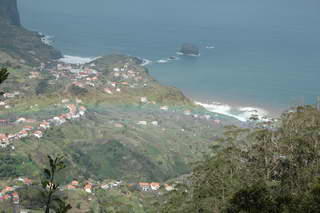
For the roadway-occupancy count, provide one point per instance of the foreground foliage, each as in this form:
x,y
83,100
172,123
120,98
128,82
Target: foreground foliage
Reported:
x,y
268,170
51,187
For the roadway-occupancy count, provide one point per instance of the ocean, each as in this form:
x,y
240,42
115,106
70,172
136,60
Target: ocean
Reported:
x,y
254,54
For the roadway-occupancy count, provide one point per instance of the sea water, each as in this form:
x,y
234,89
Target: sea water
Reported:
x,y
260,54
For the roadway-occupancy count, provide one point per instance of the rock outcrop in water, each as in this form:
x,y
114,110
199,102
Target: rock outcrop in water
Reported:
x,y
189,49
18,42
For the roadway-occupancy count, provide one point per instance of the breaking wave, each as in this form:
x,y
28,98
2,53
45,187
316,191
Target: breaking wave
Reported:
x,y
241,113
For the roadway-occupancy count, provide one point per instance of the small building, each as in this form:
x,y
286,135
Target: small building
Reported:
x,y
75,183
22,134
21,120
155,123
88,188
143,100
38,134
144,123
165,108
44,125
144,187
107,90
168,187
118,125
27,128
70,187
155,186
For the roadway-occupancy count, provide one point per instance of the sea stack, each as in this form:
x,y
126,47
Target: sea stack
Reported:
x,y
189,49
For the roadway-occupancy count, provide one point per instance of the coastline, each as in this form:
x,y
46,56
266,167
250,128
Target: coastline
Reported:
x,y
241,112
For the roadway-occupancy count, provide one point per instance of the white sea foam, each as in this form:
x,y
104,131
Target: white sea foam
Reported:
x,y
173,58
77,60
162,61
241,113
193,55
210,47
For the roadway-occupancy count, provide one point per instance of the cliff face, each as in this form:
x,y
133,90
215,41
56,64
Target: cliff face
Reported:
x,y
18,42
9,11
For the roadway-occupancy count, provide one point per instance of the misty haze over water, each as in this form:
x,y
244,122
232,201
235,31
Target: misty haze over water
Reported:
x,y
266,52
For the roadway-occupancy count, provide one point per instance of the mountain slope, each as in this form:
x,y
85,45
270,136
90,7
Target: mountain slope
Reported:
x,y
19,42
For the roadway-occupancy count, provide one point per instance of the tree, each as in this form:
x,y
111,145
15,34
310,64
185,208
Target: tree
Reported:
x,y
3,76
51,187
260,170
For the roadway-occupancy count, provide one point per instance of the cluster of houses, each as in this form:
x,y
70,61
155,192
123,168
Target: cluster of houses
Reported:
x,y
37,132
142,186
9,192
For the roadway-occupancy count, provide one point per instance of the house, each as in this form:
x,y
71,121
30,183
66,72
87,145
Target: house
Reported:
x,y
155,123
82,110
143,100
168,187
27,128
75,183
27,181
38,134
105,186
58,120
70,187
44,125
31,121
3,137
118,125
65,101
155,186
116,69
165,108
107,90
125,83
142,123
88,188
67,116
118,90
144,186
2,103
7,189
22,134
11,136
72,108
21,120
8,95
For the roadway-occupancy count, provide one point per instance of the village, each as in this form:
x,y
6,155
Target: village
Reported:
x,y
10,193
81,76
121,78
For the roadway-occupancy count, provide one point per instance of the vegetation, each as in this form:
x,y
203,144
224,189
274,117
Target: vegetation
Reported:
x,y
51,187
3,76
261,170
